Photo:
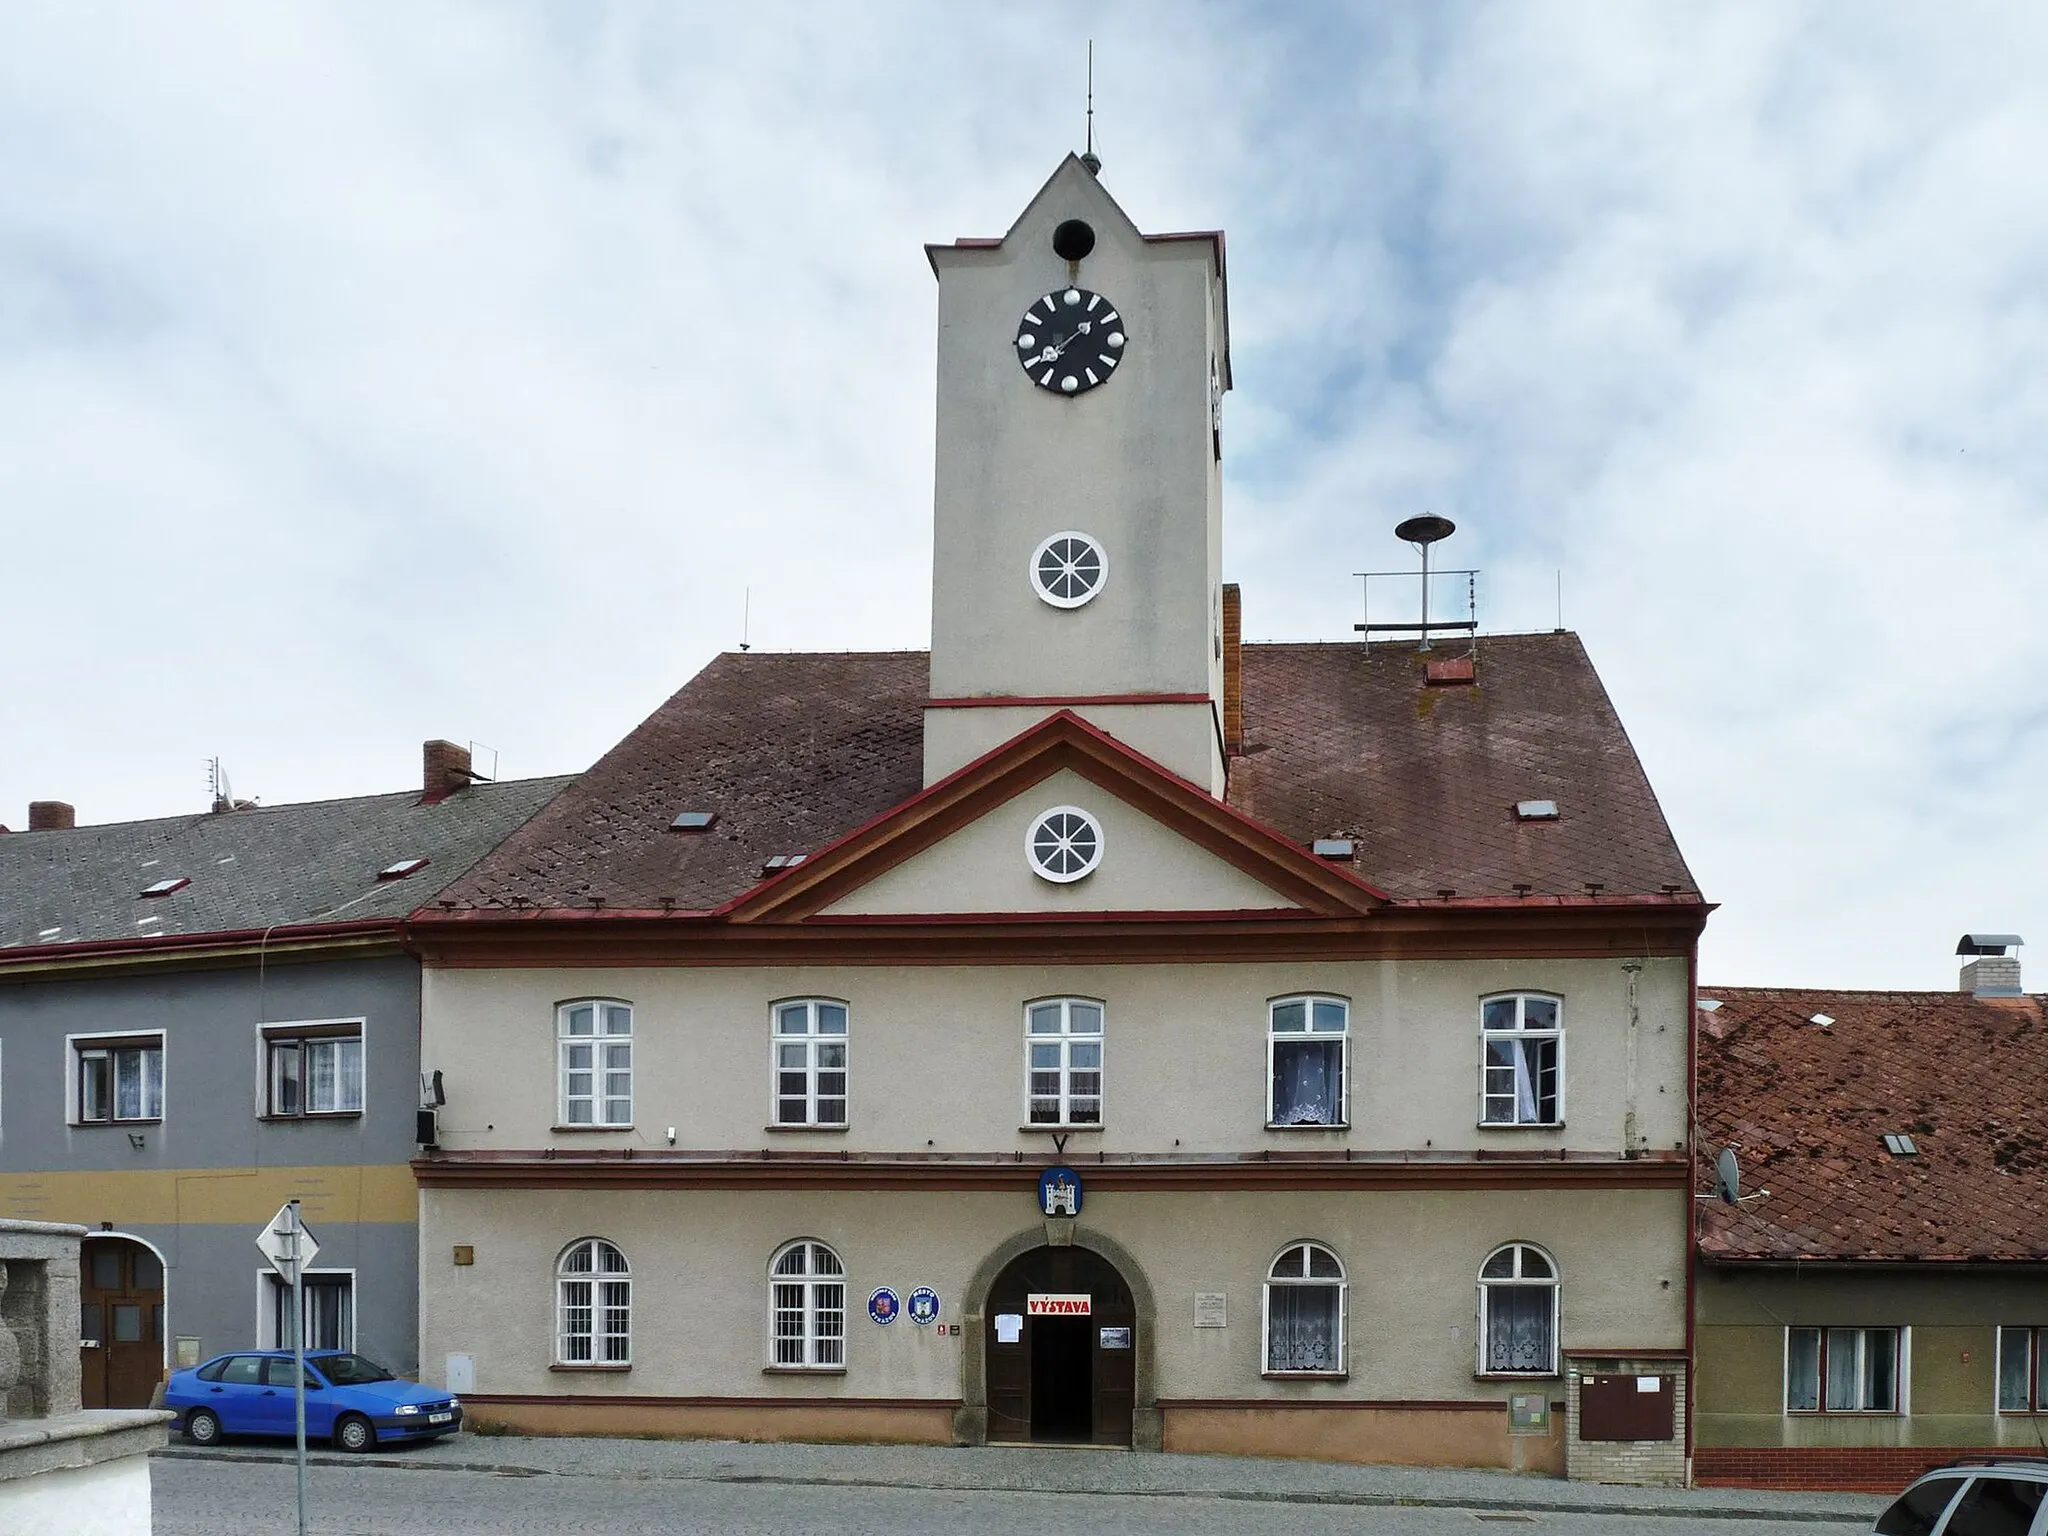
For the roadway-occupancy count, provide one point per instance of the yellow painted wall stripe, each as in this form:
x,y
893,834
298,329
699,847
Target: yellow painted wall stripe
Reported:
x,y
173,1196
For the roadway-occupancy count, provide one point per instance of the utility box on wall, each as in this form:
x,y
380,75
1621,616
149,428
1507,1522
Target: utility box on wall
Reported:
x,y
1624,1416
1627,1407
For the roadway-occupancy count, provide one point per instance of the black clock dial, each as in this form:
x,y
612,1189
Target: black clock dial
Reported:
x,y
1070,341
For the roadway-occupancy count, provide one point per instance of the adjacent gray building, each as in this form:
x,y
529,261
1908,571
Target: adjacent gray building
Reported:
x,y
204,1016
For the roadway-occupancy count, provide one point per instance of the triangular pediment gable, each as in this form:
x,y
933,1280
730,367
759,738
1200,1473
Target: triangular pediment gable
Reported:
x,y
910,861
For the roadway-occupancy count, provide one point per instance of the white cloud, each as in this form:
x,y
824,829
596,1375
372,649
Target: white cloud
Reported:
x,y
372,373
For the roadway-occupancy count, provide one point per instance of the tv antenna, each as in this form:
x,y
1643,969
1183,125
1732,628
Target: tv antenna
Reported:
x,y
746,615
1088,156
1422,532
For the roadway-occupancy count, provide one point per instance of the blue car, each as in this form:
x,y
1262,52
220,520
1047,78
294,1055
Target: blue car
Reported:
x,y
351,1401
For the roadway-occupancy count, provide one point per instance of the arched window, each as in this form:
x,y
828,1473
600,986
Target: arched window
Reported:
x,y
594,1058
807,1307
1305,1312
593,1305
1521,1059
1305,1055
1063,1061
1518,1312
810,1062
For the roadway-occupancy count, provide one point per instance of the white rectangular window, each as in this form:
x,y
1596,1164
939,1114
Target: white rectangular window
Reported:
x,y
1521,1060
594,1049
2020,1387
313,1069
1063,1061
810,1062
1307,1040
1841,1370
116,1079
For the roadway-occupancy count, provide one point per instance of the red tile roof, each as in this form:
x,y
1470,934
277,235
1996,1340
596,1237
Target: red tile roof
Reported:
x,y
1809,1108
1340,741
795,750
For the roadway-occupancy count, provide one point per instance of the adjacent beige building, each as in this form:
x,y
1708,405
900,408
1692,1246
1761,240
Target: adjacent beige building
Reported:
x,y
1098,1030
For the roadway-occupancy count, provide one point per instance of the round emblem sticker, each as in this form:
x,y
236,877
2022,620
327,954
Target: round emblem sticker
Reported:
x,y
883,1306
924,1305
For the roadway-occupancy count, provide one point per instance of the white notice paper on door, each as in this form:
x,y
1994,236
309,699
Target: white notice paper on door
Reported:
x,y
1009,1327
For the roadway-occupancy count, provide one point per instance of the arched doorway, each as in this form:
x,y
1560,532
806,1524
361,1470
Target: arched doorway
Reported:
x,y
121,1323
1060,1337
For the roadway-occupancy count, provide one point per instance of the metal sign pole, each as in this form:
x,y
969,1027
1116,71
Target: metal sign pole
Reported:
x,y
299,1355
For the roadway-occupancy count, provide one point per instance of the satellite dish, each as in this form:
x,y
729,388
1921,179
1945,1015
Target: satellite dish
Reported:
x,y
1728,1176
1427,529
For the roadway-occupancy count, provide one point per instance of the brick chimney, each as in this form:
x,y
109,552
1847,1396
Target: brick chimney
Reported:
x,y
1233,670
1995,972
51,816
445,769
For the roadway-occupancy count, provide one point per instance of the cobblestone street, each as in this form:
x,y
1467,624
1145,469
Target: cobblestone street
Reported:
x,y
622,1487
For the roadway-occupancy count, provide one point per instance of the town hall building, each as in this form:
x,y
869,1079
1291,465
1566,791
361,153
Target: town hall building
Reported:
x,y
1094,1030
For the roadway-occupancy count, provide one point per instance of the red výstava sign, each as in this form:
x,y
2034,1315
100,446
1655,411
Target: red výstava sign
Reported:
x,y
1058,1304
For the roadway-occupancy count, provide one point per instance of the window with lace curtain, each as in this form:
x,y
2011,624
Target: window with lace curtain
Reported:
x,y
1307,1039
1305,1312
1521,1060
1518,1312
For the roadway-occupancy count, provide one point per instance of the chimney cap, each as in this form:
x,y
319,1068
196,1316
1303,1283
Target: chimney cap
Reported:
x,y
1988,943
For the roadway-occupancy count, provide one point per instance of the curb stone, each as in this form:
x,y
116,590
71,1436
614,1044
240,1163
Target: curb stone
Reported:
x,y
1325,1497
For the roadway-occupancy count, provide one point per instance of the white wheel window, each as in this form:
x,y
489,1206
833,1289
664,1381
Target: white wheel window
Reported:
x,y
1068,569
593,1305
1518,1312
1064,844
1305,1312
807,1305
594,1051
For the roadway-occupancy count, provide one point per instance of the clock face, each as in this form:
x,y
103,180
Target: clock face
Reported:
x,y
1070,341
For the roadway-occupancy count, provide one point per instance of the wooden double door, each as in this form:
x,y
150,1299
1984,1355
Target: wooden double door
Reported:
x,y
1066,1379
121,1323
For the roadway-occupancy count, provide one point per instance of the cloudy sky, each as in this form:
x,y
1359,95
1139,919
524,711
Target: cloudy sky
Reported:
x,y
377,372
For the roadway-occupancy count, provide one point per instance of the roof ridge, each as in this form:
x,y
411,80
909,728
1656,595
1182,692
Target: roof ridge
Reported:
x,y
186,817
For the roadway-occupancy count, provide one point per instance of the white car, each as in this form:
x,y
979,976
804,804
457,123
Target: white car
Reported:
x,y
1978,1496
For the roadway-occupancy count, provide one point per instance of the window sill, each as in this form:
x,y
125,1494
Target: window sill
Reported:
x,y
580,1130
1521,1125
1306,1375
1340,1125
1549,1375
1048,1128
814,1130
114,1125
1843,1413
588,1370
316,1115
803,1370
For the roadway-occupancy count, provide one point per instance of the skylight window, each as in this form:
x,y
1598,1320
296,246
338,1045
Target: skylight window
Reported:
x,y
1822,1019
693,821
1899,1144
1709,1004
1333,848
781,861
402,868
47,934
166,887
1536,810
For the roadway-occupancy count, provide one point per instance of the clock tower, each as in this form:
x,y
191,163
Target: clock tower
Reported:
x,y
1077,540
